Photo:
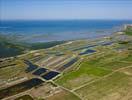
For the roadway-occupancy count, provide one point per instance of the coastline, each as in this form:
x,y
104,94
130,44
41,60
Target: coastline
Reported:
x,y
46,31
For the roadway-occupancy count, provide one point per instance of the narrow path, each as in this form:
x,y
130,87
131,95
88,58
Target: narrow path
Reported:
x,y
68,90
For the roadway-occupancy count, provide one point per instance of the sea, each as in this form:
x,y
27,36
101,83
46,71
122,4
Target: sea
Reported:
x,y
59,30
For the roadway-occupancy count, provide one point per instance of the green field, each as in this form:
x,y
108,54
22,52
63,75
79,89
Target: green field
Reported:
x,y
85,73
112,87
103,75
128,30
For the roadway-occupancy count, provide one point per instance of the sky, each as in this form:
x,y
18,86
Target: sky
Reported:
x,y
65,9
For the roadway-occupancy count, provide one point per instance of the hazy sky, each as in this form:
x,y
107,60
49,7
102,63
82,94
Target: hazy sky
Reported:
x,y
65,9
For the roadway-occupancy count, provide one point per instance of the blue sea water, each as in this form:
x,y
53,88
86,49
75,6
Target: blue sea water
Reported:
x,y
52,30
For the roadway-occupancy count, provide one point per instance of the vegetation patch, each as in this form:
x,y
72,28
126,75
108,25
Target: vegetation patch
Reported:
x,y
11,72
128,30
45,45
86,71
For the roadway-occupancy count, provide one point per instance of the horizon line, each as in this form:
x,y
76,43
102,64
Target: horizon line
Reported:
x,y
57,19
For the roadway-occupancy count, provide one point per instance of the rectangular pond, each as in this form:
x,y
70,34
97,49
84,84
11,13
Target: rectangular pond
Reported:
x,y
40,71
68,64
89,51
90,46
25,97
50,75
31,66
107,43
21,87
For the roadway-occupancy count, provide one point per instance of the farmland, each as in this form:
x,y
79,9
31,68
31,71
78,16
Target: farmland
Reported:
x,y
87,69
